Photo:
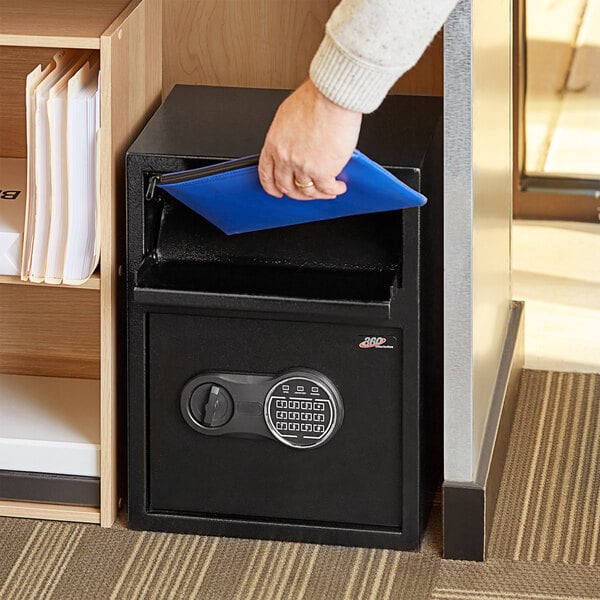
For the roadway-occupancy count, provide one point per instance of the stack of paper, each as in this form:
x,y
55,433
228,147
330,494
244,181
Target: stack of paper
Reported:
x,y
82,126
61,236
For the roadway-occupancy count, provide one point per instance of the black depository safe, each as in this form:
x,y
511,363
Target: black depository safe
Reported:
x,y
283,384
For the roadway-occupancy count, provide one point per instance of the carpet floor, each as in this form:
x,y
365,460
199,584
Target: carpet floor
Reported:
x,y
545,542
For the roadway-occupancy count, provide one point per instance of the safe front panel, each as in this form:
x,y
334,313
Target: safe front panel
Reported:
x,y
354,478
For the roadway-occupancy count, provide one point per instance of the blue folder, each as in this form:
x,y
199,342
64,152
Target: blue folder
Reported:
x,y
230,195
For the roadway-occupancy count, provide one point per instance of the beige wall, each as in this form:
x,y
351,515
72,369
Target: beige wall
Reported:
x,y
492,190
261,43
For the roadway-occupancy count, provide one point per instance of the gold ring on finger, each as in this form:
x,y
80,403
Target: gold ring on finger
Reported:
x,y
303,186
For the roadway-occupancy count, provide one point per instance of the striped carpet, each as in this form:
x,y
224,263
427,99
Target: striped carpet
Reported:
x,y
544,544
549,508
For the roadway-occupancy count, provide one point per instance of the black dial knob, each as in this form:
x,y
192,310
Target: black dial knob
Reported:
x,y
211,405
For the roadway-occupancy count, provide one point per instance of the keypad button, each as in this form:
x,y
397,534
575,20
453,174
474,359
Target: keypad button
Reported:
x,y
294,416
281,414
285,388
306,427
300,389
319,418
281,425
294,427
306,405
306,416
294,404
281,403
314,390
318,428
319,406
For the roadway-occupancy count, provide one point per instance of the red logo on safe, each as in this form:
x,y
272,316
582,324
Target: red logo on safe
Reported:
x,y
372,342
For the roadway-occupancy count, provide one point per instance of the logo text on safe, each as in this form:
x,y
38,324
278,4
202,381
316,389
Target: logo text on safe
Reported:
x,y
372,342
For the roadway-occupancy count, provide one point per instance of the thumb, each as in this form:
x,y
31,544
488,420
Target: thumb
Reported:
x,y
339,187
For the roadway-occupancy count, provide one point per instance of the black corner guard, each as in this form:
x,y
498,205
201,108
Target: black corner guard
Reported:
x,y
469,507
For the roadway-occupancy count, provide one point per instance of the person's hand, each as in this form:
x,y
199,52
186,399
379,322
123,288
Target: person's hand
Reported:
x,y
308,144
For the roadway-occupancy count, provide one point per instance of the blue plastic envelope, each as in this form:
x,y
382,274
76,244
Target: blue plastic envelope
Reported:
x,y
230,195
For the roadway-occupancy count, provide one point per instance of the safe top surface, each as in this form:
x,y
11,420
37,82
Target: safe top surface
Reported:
x,y
220,122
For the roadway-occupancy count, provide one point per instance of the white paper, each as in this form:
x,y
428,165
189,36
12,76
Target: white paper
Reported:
x,y
33,80
57,121
64,61
82,130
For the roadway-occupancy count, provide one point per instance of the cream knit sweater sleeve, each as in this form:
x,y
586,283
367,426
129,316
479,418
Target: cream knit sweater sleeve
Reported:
x,y
369,44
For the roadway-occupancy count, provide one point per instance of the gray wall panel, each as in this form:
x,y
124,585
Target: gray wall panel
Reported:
x,y
458,228
478,214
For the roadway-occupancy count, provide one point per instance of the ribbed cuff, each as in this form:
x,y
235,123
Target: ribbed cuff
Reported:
x,y
348,82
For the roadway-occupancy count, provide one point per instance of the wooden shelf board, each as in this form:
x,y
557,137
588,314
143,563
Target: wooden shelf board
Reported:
x,y
60,23
91,284
50,331
45,41
52,512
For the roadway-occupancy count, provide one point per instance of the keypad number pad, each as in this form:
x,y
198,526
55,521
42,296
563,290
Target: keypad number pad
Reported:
x,y
300,412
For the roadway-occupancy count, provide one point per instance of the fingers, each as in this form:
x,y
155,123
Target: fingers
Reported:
x,y
322,188
299,184
329,186
266,175
284,178
280,177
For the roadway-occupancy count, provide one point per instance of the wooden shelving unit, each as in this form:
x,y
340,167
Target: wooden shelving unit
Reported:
x,y
93,283
68,331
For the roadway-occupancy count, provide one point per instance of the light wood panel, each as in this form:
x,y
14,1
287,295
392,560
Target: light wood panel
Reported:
x,y
93,283
261,43
51,512
248,43
426,78
61,23
49,331
131,62
15,64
